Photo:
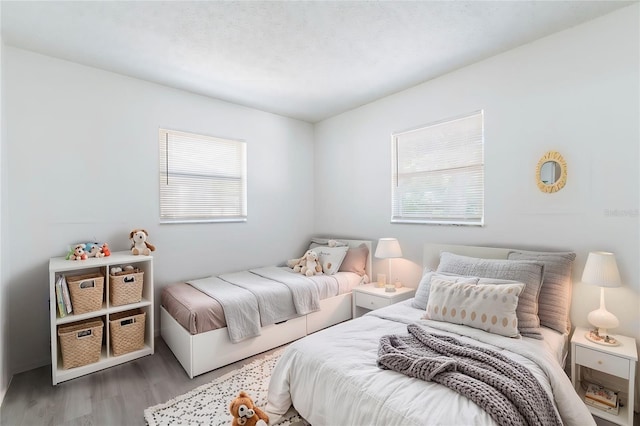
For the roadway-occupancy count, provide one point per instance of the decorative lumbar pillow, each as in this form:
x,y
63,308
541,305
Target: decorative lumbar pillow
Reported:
x,y
533,332
422,293
330,258
355,260
554,300
490,308
529,273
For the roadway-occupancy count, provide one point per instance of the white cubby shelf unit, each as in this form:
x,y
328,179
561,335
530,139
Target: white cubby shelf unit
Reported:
x,y
60,266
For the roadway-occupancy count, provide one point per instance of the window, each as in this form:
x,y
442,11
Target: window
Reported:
x,y
202,178
438,173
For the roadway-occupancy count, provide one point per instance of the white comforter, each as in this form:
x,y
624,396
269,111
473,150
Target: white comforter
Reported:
x,y
331,377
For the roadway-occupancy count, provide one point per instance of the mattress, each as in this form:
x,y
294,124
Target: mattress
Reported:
x,y
199,313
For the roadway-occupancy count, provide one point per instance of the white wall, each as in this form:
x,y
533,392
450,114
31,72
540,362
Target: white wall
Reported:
x,y
4,360
82,153
576,92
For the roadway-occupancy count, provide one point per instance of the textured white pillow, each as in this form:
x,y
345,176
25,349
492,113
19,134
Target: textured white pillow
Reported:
x,y
330,258
422,293
489,307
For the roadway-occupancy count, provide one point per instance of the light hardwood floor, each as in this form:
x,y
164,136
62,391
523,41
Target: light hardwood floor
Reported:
x,y
115,396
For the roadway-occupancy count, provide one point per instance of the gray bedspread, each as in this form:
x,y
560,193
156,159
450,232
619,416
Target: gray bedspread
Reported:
x,y
306,297
260,297
240,306
507,391
275,301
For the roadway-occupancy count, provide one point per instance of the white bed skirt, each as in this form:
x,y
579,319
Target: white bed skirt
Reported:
x,y
200,353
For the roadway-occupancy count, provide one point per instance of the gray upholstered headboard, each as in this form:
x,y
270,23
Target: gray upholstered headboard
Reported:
x,y
431,253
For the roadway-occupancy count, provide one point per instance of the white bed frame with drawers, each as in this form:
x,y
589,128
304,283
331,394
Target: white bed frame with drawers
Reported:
x,y
200,353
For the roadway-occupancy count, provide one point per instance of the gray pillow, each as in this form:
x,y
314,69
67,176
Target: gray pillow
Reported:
x,y
421,298
528,272
554,301
533,332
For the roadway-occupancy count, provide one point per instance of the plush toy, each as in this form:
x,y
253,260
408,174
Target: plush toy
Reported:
x,y
77,253
139,244
296,264
311,265
94,250
105,249
245,413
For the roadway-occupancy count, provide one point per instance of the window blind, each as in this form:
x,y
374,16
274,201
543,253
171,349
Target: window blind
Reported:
x,y
202,178
438,172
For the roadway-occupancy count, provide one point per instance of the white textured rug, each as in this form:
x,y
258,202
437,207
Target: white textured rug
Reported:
x,y
209,404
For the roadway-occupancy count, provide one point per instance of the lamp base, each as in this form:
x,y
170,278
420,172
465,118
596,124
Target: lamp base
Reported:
x,y
601,338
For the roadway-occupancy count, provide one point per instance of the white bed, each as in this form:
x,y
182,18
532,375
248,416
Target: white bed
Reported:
x,y
332,377
199,353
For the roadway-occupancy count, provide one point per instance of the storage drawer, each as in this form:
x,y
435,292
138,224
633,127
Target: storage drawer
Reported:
x,y
601,361
370,301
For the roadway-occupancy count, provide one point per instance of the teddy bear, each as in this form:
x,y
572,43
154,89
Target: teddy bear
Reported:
x,y
245,413
105,249
311,264
139,244
77,253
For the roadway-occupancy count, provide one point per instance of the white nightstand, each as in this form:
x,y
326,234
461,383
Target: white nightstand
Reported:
x,y
618,361
369,297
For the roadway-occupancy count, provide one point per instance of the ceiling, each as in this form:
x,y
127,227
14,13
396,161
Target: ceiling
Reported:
x,y
307,60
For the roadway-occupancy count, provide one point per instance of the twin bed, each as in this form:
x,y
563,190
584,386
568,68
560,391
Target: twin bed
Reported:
x,y
478,312
194,325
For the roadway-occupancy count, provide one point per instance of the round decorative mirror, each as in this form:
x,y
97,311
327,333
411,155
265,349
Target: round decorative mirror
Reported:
x,y
551,172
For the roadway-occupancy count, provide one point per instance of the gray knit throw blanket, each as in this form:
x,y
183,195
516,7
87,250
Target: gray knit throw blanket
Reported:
x,y
506,390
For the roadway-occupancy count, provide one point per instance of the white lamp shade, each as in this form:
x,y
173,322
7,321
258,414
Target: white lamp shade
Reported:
x,y
601,270
388,248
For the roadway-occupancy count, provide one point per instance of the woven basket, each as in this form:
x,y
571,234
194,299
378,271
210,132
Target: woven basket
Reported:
x,y
86,292
127,331
80,343
125,287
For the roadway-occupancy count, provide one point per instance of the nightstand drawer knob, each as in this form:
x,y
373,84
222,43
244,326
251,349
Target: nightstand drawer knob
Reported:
x,y
600,362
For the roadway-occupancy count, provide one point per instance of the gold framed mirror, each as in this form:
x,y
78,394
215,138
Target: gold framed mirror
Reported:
x,y
551,172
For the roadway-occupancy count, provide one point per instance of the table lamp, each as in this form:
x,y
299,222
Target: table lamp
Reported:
x,y
601,270
388,248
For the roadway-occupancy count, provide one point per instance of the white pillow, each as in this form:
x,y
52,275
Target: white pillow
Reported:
x,y
330,258
422,293
488,307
